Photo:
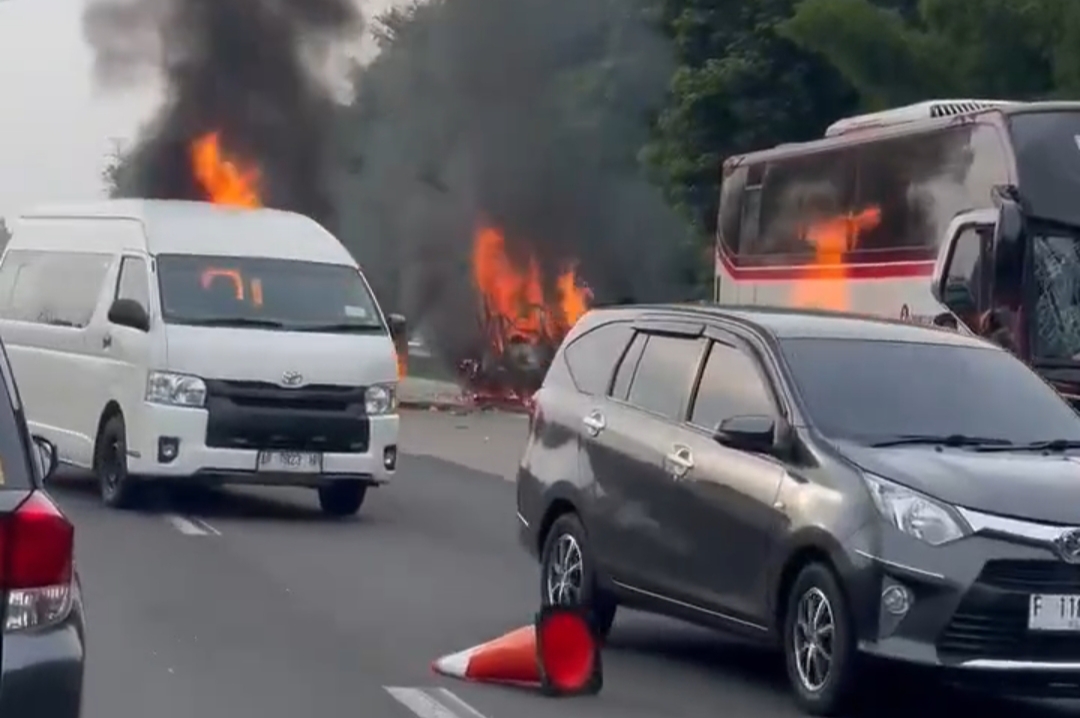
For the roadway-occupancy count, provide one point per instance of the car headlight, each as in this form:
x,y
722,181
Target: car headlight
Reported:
x,y
380,399
163,387
915,514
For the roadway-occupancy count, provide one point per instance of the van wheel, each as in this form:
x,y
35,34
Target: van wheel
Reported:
x,y
819,643
118,489
342,498
568,575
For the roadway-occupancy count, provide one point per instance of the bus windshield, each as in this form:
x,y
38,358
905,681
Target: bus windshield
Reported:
x,y
1055,326
1047,148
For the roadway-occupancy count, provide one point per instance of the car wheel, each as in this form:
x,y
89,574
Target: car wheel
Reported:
x,y
342,498
568,574
118,489
819,643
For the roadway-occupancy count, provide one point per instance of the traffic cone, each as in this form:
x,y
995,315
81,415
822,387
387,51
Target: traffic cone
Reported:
x,y
557,654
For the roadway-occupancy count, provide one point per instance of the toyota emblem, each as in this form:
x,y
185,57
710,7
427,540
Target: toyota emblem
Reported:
x,y
1068,546
295,378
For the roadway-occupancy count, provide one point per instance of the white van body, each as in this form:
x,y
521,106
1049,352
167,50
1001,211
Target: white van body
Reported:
x,y
307,399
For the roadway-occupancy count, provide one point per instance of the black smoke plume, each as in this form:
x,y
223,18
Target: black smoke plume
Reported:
x,y
524,114
238,67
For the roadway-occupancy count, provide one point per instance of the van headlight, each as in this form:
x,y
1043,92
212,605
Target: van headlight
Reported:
x,y
915,514
163,387
380,399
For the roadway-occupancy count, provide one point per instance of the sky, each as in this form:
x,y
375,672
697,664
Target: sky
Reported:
x,y
58,127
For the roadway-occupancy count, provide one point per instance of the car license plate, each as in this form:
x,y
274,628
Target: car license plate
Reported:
x,y
290,462
1053,612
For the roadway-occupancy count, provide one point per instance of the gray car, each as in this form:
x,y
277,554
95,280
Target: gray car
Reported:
x,y
837,486
42,634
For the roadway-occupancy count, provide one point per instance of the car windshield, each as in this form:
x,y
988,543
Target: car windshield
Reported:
x,y
275,293
878,391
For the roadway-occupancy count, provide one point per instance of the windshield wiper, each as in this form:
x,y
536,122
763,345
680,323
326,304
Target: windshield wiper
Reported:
x,y
341,327
943,440
1048,445
234,322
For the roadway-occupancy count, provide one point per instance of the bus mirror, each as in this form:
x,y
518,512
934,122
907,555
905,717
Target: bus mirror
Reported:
x,y
1008,232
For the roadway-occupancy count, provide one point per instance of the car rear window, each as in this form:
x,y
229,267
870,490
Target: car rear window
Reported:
x,y
875,390
15,470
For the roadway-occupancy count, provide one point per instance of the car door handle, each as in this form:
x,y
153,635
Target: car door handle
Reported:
x,y
594,423
106,341
680,461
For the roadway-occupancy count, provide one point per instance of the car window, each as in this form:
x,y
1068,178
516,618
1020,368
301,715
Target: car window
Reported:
x,y
15,466
665,375
876,390
620,389
591,357
731,385
134,281
58,288
298,294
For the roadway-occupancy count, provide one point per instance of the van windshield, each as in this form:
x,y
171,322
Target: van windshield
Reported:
x,y
259,292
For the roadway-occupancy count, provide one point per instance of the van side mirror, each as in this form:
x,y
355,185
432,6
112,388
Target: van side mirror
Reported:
x,y
129,313
756,433
399,327
46,451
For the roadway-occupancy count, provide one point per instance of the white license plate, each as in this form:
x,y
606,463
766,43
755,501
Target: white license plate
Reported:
x,y
1054,612
290,462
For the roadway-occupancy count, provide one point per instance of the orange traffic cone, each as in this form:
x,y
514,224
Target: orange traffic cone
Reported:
x,y
558,654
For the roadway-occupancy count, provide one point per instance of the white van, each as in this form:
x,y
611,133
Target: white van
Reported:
x,y
181,340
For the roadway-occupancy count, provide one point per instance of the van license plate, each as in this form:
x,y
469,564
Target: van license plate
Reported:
x,y
1053,612
290,462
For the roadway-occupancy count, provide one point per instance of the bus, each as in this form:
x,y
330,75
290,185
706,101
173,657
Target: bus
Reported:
x,y
958,213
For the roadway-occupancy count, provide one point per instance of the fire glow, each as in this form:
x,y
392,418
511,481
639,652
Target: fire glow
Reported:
x,y
224,181
832,239
519,312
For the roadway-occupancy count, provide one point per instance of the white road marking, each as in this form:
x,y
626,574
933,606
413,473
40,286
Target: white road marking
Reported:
x,y
425,705
191,526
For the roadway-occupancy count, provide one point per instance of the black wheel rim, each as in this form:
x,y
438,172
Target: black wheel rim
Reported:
x,y
111,466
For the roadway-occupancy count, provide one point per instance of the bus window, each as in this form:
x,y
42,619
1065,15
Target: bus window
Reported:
x,y
731,200
798,193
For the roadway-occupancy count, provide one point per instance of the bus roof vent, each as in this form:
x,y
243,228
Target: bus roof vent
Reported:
x,y
912,113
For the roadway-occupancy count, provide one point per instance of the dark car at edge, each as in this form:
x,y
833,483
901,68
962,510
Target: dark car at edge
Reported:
x,y
838,486
42,629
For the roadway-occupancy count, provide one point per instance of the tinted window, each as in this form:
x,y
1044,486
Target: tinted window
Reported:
x,y
15,467
52,287
665,375
731,385
134,281
621,388
297,294
591,357
1048,162
917,184
962,282
731,193
802,197
872,391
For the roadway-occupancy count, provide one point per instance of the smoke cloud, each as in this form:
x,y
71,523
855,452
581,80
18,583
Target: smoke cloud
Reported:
x,y
243,68
523,114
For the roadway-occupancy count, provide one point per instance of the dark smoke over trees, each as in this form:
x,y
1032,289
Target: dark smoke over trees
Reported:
x,y
525,114
238,67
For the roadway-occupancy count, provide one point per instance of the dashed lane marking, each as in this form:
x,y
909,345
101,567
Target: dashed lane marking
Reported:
x,y
425,704
191,525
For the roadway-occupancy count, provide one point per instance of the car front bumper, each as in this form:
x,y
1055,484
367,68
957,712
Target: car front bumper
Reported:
x,y
968,605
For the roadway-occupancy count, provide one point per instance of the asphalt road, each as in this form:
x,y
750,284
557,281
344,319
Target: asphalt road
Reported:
x,y
250,603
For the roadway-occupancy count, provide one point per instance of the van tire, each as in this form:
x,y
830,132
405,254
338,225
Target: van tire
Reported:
x,y
342,498
118,489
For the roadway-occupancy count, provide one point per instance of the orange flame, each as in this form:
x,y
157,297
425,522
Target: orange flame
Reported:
x,y
224,181
513,299
833,238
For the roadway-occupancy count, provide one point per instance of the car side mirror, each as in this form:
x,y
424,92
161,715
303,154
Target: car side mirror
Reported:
x,y
129,313
1008,233
46,455
756,433
398,325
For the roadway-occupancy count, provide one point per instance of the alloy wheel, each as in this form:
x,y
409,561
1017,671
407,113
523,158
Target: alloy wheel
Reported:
x,y
565,576
812,639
